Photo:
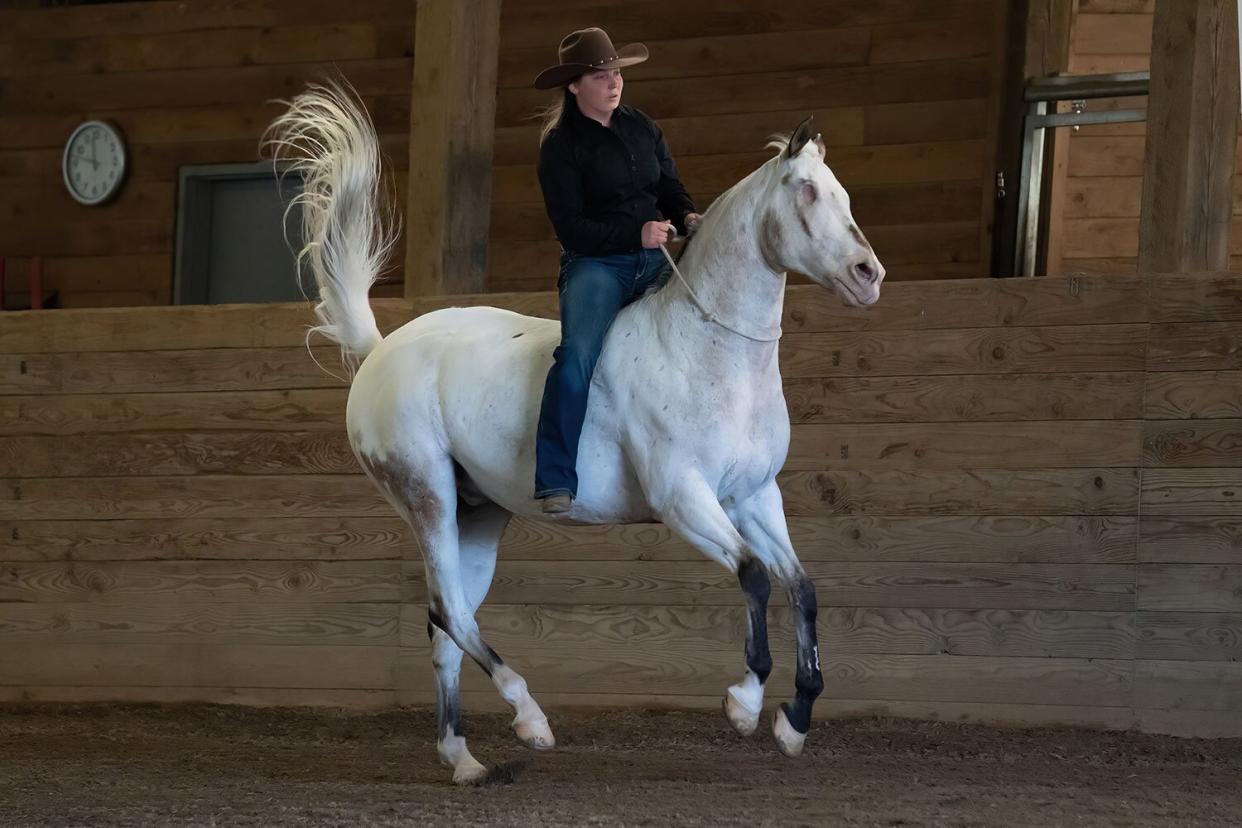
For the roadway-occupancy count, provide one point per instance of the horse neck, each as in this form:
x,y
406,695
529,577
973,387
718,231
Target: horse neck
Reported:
x,y
725,268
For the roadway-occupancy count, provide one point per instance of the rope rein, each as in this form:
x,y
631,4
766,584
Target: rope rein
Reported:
x,y
768,336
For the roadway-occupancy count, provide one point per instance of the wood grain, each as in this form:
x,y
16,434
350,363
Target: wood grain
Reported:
x,y
312,410
908,493
978,445
221,582
197,665
1192,136
971,586
1190,587
171,498
1189,636
178,453
207,622
1194,394
1179,538
974,398
228,538
860,539
1037,350
1188,685
1180,492
1196,346
1183,443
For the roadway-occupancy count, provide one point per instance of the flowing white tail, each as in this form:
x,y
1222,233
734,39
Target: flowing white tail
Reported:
x,y
327,137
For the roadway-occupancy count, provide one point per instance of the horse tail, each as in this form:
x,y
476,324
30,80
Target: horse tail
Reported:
x,y
348,224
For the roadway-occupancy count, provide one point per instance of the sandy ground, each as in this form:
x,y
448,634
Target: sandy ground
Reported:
x,y
113,765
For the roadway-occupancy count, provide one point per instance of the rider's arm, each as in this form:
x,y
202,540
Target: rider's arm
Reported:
x,y
673,200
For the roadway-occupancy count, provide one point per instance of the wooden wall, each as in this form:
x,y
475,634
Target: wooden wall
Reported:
x,y
187,83
903,90
1019,500
1101,188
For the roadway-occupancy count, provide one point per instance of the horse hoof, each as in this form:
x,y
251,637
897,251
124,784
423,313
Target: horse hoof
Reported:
x,y
744,720
535,734
788,740
469,772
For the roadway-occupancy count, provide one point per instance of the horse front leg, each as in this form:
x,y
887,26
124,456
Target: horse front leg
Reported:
x,y
761,521
690,508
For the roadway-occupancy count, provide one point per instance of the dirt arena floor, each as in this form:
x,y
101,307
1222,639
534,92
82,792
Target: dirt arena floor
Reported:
x,y
217,765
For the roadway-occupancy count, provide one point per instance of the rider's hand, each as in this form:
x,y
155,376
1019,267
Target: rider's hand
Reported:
x,y
656,233
692,219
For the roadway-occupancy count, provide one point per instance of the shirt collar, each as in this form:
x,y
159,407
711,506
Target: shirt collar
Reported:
x,y
581,121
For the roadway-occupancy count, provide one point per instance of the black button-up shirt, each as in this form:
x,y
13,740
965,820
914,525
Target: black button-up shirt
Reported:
x,y
601,184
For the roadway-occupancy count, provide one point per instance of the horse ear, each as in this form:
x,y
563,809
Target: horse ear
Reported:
x,y
819,145
801,135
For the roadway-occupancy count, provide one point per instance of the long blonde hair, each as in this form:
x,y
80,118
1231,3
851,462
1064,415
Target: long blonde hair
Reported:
x,y
551,115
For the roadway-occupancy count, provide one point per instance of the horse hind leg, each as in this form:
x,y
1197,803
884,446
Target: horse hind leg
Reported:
x,y
479,531
425,493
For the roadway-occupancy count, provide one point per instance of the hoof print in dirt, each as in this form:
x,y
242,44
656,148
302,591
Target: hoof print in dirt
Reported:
x,y
505,774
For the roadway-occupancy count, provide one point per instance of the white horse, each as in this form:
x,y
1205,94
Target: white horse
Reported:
x,y
686,424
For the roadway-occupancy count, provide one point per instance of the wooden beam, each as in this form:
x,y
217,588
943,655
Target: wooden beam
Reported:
x,y
452,121
1192,135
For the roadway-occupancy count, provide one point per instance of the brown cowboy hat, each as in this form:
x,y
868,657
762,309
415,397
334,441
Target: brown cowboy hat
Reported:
x,y
588,50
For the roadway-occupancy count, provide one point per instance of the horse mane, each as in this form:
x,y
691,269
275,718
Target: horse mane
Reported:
x,y
778,141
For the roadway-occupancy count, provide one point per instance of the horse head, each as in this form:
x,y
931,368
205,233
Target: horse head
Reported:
x,y
805,222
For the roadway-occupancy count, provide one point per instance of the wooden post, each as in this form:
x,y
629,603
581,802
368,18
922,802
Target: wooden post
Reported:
x,y
1192,135
452,122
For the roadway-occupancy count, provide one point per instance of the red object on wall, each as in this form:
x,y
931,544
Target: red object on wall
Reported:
x,y
36,283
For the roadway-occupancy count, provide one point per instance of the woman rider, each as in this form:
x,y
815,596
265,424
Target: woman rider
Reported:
x,y
613,194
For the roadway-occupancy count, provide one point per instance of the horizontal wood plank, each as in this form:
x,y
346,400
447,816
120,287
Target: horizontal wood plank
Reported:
x,y
911,493
780,91
223,582
876,677
627,632
884,493
177,453
965,445
1011,539
1196,346
351,698
986,350
216,496
950,304
311,410
971,398
206,622
1178,538
1178,492
1181,443
1193,394
197,665
1190,587
1189,636
311,538
1188,685
927,585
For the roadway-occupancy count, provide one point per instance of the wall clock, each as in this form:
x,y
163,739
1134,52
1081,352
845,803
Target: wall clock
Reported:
x,y
94,162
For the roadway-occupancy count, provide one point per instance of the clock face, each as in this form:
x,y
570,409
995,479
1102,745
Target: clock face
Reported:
x,y
94,162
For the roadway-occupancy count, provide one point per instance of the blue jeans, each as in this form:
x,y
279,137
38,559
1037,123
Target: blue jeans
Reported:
x,y
593,289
